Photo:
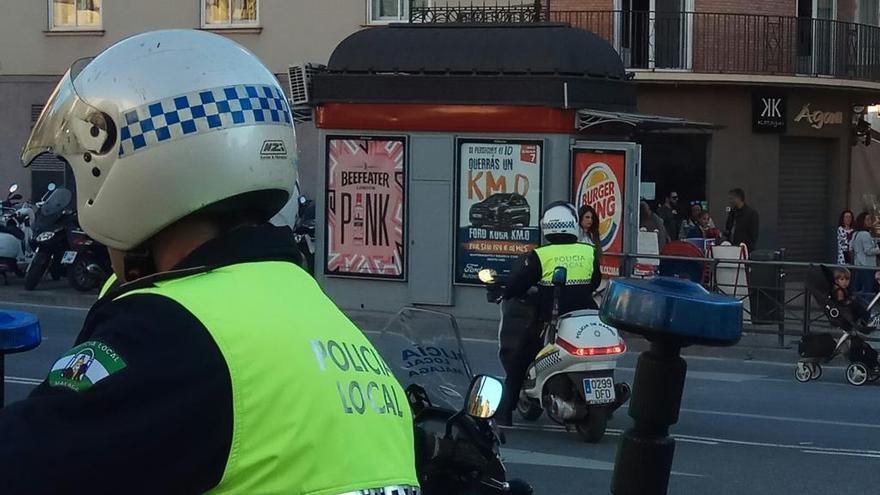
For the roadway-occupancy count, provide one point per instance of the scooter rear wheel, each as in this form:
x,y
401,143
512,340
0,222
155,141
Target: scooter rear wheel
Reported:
x,y
79,277
529,409
594,429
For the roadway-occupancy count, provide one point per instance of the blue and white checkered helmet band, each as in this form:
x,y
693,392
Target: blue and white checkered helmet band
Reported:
x,y
198,112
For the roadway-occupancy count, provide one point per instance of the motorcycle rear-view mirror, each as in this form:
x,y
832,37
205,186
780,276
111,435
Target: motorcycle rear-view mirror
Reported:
x,y
487,275
13,188
560,276
484,396
51,187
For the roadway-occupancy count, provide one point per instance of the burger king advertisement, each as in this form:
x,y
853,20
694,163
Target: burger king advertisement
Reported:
x,y
499,205
599,181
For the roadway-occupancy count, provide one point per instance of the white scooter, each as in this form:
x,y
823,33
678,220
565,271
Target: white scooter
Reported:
x,y
572,377
14,235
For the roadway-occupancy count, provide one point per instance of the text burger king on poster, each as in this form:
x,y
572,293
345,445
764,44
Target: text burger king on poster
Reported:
x,y
599,182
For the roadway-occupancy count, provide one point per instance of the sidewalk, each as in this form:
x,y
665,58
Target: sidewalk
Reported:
x,y
755,345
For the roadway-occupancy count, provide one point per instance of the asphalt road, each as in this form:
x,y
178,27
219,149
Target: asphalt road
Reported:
x,y
746,427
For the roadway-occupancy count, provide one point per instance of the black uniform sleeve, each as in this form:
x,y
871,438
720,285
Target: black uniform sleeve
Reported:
x,y
527,275
596,279
162,424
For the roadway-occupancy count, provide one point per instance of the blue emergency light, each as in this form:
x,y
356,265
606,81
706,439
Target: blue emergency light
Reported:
x,y
19,332
672,307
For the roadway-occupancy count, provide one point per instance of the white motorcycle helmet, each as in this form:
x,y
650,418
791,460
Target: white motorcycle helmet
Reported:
x,y
560,222
164,124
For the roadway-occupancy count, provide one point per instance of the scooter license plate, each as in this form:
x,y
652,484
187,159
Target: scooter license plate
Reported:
x,y
68,258
599,390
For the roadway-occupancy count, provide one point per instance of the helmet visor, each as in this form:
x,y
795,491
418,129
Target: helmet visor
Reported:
x,y
67,126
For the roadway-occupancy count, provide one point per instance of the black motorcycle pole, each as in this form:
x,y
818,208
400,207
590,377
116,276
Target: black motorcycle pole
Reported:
x,y
647,448
671,314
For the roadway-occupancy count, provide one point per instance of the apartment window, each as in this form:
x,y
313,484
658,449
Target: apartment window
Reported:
x,y
75,14
230,13
868,12
384,11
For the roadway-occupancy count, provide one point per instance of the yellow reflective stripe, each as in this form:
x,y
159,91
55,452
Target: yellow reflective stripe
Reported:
x,y
107,285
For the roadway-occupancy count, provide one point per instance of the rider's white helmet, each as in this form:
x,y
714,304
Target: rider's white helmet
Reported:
x,y
164,124
560,219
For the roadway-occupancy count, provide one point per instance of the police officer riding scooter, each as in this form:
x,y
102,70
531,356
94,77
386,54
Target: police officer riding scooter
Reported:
x,y
519,344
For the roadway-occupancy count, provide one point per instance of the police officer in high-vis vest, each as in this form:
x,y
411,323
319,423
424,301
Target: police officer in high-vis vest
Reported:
x,y
215,364
519,345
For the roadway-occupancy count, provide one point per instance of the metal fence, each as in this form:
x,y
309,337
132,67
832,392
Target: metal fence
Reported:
x,y
698,41
777,295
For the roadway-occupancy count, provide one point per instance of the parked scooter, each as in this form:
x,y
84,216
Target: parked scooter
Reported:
x,y
572,377
304,232
87,262
51,227
457,444
14,239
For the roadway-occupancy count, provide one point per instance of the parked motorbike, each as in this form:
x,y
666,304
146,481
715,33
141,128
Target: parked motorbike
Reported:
x,y
572,377
87,262
457,444
14,239
304,231
51,228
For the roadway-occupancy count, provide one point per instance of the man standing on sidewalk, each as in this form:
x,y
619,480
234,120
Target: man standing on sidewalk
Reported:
x,y
668,211
742,221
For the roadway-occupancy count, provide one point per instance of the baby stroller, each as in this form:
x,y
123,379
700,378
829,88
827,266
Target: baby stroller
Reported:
x,y
852,318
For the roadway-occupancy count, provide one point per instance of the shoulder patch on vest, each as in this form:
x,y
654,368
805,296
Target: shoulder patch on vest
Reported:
x,y
85,365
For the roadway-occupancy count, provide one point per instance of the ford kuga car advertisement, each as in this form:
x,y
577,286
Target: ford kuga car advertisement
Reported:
x,y
499,203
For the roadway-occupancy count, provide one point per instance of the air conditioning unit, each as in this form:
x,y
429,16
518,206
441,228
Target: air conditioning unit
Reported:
x,y
300,77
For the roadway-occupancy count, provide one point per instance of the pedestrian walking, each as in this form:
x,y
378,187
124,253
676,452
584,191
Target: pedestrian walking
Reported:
x,y
865,251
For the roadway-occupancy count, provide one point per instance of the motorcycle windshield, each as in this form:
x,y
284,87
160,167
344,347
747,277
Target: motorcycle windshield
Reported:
x,y
424,347
56,202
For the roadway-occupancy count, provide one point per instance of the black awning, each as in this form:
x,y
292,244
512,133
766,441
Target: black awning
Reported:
x,y
536,49
587,118
552,65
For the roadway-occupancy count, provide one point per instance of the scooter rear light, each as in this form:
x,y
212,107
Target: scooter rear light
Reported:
x,y
591,351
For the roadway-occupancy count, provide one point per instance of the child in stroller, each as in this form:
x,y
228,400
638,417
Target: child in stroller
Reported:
x,y
830,288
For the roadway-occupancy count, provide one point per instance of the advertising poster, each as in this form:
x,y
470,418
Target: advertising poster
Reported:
x,y
599,181
499,205
365,207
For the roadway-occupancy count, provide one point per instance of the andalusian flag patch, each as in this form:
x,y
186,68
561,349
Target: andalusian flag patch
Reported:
x,y
85,365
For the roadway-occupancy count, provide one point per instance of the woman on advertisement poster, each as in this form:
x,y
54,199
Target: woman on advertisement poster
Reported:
x,y
599,182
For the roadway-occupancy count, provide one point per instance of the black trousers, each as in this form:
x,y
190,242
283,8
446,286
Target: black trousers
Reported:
x,y
520,341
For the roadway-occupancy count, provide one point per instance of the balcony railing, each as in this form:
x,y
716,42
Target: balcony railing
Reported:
x,y
512,12
706,42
